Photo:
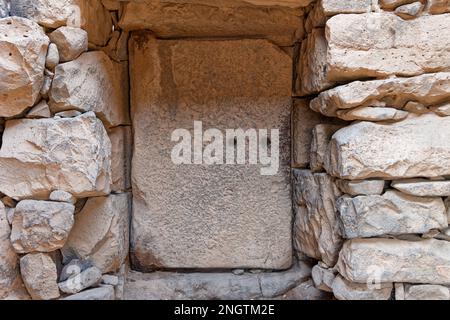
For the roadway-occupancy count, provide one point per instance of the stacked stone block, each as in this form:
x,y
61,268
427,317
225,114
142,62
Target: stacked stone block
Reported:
x,y
378,219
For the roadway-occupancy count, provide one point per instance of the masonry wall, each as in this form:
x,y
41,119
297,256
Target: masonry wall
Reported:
x,y
93,208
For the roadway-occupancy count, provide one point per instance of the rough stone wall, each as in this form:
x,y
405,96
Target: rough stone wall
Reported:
x,y
372,203
370,158
66,143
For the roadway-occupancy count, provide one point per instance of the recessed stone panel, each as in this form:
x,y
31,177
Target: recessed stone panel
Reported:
x,y
199,215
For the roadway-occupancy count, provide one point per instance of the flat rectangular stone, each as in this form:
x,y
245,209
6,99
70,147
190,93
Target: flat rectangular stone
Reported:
x,y
41,155
391,260
278,21
415,147
218,285
374,45
208,216
393,213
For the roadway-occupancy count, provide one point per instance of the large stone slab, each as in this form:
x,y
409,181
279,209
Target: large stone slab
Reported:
x,y
211,286
101,232
391,260
393,213
428,90
423,187
317,227
208,216
278,21
41,155
41,226
415,147
361,46
22,64
93,82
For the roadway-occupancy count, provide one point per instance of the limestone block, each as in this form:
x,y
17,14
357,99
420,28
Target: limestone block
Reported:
x,y
39,275
100,232
41,155
393,213
346,290
70,41
423,187
222,214
93,82
415,147
23,49
41,226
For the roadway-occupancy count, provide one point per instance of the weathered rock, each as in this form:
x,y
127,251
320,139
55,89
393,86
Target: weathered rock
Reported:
x,y
104,292
346,290
41,225
393,260
52,58
68,114
74,82
62,196
409,11
22,63
110,280
393,213
443,110
4,8
428,90
393,4
86,279
97,21
276,21
39,275
423,187
399,291
321,136
360,46
48,79
323,278
304,120
41,110
372,114
9,271
361,187
415,107
41,155
316,227
49,13
305,291
121,142
168,285
310,77
426,292
251,89
438,6
100,232
71,42
73,268
414,147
